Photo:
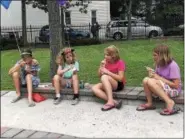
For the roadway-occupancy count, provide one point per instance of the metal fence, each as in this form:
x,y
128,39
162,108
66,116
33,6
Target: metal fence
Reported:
x,y
115,30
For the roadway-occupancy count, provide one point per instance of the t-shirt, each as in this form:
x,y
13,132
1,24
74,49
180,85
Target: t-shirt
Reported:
x,y
116,67
69,73
170,72
33,67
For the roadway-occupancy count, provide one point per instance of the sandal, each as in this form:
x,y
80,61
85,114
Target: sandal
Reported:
x,y
107,107
144,107
31,104
172,111
118,104
16,99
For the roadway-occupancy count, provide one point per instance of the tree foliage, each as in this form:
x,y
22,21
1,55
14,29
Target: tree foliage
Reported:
x,y
42,4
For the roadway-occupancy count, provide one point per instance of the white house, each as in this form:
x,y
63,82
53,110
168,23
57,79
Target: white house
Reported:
x,y
12,16
98,10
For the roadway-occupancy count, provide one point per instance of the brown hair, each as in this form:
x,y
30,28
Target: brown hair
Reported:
x,y
61,55
164,55
113,52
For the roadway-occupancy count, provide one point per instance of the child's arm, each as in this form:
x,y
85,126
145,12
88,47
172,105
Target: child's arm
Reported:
x,y
34,68
102,65
173,84
61,71
17,67
117,77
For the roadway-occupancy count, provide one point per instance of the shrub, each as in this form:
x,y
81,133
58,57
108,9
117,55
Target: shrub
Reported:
x,y
7,44
88,41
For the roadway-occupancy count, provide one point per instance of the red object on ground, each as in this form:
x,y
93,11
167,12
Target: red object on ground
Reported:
x,y
37,97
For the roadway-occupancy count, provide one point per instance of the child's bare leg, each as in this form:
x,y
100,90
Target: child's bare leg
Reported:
x,y
156,87
57,84
75,83
98,91
108,87
147,91
30,89
16,80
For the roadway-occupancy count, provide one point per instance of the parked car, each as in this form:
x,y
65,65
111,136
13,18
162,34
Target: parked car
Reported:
x,y
118,29
178,30
70,33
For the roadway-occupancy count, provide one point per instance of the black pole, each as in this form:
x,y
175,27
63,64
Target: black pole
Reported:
x,y
62,27
24,33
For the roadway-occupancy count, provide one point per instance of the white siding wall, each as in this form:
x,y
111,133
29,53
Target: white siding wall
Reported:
x,y
102,13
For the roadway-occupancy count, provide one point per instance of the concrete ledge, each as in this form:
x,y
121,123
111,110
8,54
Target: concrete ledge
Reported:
x,y
130,93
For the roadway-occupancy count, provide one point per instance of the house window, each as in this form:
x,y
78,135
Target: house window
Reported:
x,y
68,18
93,16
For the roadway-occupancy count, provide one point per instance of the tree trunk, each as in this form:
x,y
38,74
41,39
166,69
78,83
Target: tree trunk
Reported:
x,y
129,32
62,27
24,32
148,10
55,33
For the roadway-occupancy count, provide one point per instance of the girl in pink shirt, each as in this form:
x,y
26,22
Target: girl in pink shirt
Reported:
x,y
111,72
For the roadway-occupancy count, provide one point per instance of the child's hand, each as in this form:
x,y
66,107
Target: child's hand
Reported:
x,y
22,63
59,60
149,69
151,73
104,71
71,67
60,72
156,76
102,64
27,68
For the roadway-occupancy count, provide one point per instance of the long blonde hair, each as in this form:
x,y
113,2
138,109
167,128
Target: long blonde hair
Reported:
x,y
113,52
164,55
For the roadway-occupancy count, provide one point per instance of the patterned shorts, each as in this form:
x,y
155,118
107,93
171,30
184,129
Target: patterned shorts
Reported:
x,y
35,81
171,92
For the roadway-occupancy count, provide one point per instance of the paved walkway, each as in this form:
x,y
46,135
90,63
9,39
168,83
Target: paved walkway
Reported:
x,y
87,120
7,132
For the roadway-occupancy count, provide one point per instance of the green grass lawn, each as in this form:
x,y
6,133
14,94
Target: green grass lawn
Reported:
x,y
136,54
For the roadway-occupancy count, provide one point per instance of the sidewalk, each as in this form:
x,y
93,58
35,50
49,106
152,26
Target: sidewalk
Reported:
x,y
7,132
87,120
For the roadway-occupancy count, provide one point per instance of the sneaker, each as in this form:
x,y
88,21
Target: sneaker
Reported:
x,y
57,100
75,101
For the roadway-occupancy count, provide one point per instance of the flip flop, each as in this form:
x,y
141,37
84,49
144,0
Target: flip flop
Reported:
x,y
108,107
118,104
16,99
31,104
144,107
172,111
